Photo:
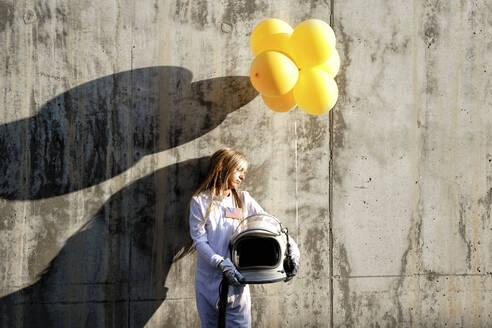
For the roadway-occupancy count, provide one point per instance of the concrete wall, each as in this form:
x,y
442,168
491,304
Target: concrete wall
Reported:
x,y
110,109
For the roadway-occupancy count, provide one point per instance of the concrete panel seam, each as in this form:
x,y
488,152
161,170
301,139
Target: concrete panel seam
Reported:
x,y
417,275
330,191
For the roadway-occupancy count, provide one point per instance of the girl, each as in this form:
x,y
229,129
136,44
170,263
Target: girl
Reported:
x,y
216,209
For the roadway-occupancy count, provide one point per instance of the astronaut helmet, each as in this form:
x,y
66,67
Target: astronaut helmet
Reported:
x,y
258,249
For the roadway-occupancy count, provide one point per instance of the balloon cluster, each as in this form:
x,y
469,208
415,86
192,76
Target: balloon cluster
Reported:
x,y
295,66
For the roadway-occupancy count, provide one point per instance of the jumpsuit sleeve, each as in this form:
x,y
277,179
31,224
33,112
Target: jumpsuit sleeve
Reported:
x,y
251,205
199,235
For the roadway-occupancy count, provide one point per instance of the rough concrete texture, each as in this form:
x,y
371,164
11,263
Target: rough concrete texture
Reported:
x,y
411,218
111,109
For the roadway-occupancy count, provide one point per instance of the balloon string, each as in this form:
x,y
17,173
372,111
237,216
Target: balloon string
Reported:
x,y
297,180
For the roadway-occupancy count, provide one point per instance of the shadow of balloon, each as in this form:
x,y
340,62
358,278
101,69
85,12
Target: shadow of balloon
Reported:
x,y
99,129
112,272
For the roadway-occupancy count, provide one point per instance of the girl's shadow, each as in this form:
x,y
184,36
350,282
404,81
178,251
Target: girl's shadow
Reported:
x,y
112,272
99,129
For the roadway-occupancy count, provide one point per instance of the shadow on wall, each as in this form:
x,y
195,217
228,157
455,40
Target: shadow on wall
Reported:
x,y
112,272
99,129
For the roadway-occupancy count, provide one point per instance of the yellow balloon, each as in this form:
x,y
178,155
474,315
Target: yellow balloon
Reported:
x,y
316,92
332,65
281,103
313,42
265,29
276,42
273,74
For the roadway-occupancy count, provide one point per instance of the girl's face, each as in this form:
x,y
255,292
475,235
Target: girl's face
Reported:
x,y
237,176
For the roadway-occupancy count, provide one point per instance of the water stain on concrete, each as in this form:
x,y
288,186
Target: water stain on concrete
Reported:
x,y
431,275
42,251
260,317
339,131
413,251
345,40
314,237
181,8
243,10
431,31
431,23
312,134
345,272
431,84
6,15
199,14
486,203
339,124
51,26
397,45
43,12
390,321
462,232
181,14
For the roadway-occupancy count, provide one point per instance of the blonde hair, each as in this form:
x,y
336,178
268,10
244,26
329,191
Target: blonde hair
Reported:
x,y
222,165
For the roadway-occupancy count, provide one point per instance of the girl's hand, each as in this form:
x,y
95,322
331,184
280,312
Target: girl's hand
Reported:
x,y
234,277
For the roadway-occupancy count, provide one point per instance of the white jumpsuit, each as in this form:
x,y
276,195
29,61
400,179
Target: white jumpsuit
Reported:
x,y
212,244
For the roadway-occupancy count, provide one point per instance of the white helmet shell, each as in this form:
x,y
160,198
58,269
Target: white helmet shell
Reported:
x,y
258,249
